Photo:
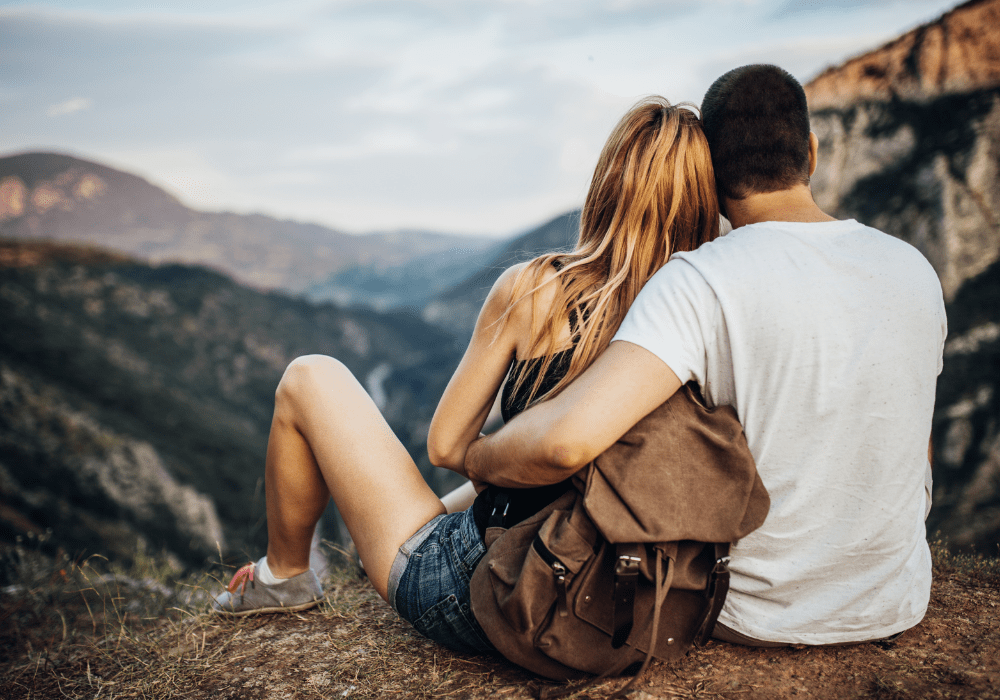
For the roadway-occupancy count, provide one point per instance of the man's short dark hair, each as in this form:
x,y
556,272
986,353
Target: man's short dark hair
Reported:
x,y
757,124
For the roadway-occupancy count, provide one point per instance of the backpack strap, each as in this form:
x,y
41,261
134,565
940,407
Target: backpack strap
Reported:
x,y
498,516
660,594
715,592
628,556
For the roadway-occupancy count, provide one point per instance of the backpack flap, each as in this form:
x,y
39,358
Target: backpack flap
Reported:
x,y
683,609
684,472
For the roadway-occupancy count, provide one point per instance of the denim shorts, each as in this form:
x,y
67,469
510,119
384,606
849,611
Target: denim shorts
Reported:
x,y
429,582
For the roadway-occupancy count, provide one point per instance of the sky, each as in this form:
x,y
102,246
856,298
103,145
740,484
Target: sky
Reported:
x,y
479,117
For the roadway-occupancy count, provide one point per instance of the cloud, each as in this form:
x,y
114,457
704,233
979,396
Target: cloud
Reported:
x,y
465,115
76,104
792,7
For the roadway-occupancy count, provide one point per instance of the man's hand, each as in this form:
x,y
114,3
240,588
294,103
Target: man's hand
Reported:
x,y
554,439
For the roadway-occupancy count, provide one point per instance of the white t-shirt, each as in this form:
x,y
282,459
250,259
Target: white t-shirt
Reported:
x,y
827,338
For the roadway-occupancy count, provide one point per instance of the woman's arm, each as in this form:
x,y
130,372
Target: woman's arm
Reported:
x,y
472,390
552,440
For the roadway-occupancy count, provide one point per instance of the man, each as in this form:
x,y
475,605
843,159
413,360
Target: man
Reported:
x,y
826,336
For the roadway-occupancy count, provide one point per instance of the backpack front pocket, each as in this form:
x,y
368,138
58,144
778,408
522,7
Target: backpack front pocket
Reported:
x,y
527,584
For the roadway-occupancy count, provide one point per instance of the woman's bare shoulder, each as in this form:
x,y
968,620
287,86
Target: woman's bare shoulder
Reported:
x,y
507,286
532,301
534,287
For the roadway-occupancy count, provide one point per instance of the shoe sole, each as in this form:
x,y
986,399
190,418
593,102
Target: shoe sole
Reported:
x,y
277,609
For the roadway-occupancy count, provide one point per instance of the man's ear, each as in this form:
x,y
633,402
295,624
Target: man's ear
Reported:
x,y
813,152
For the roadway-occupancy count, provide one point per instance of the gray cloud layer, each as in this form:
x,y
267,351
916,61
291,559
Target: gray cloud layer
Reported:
x,y
451,114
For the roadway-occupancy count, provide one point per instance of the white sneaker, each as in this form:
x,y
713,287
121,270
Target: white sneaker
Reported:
x,y
289,595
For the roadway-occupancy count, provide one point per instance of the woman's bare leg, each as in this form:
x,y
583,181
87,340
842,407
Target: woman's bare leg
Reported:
x,y
329,439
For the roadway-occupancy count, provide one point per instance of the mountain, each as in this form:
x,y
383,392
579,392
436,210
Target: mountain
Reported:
x,y
955,54
48,196
410,285
457,308
910,143
135,400
910,139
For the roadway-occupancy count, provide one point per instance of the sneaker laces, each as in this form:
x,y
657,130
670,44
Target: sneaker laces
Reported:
x,y
243,574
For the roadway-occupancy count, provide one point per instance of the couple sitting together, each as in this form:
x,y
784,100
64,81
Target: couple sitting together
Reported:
x,y
825,336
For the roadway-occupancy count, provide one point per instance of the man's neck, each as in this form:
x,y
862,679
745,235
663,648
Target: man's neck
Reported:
x,y
795,204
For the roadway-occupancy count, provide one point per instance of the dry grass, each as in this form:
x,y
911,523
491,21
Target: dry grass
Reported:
x,y
83,630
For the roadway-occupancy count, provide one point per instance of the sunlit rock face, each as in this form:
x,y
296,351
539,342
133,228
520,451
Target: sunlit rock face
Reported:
x,y
955,54
910,143
910,140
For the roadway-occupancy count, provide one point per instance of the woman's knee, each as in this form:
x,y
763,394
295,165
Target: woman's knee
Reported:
x,y
308,374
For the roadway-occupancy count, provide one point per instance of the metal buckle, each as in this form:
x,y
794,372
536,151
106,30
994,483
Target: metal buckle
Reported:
x,y
627,565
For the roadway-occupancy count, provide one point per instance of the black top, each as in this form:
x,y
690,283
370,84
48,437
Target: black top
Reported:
x,y
512,403
515,505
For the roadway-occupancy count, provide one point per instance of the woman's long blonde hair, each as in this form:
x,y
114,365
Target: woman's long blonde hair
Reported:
x,y
652,194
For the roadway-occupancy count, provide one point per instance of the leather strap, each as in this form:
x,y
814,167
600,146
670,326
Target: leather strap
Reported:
x,y
628,556
655,631
715,593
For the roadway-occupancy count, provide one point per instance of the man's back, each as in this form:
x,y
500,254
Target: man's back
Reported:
x,y
827,339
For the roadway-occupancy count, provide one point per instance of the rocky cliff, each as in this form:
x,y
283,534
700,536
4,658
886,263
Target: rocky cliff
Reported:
x,y
135,400
954,54
967,419
910,139
910,143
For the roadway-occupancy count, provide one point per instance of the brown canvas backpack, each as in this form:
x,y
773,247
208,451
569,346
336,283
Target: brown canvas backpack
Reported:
x,y
636,552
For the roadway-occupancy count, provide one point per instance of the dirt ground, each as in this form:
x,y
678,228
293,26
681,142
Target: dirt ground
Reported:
x,y
353,646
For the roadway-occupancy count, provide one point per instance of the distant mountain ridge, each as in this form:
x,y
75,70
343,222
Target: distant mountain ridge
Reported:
x,y
457,308
409,285
50,196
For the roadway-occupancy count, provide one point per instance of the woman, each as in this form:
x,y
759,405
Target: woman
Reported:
x,y
652,194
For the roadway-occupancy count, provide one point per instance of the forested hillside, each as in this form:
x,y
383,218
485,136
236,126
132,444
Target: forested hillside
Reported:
x,y
135,400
